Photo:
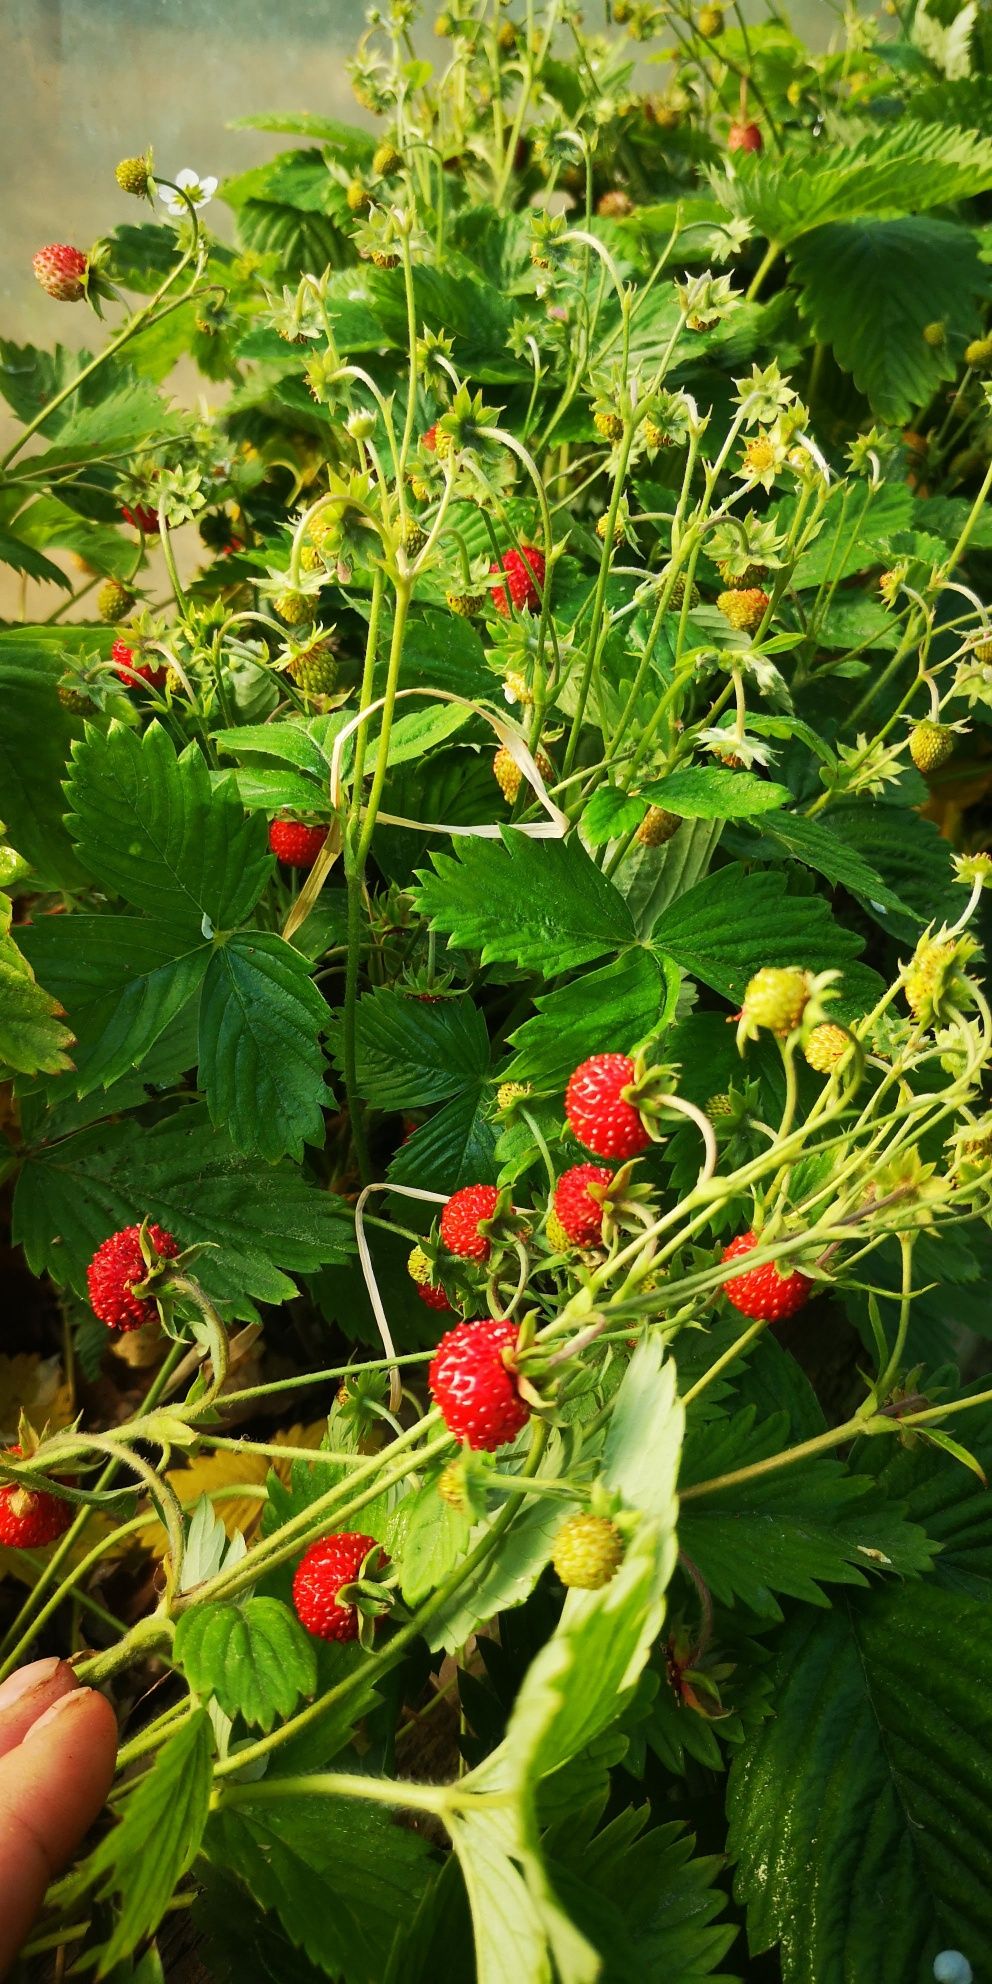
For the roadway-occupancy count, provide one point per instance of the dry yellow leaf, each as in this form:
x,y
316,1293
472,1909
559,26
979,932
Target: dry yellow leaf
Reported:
x,y
33,1385
209,1471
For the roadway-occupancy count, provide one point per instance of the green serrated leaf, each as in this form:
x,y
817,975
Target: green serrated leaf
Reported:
x,y
732,923
816,847
709,792
521,902
908,168
141,1861
456,1147
644,1439
412,1053
122,981
32,1038
254,1658
150,827
610,814
261,1062
35,736
620,1003
858,1811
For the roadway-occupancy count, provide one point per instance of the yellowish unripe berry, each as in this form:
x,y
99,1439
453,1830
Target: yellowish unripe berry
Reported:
x,y
558,1239
658,826
510,1092
450,1486
293,607
827,1047
744,607
508,774
588,1551
776,999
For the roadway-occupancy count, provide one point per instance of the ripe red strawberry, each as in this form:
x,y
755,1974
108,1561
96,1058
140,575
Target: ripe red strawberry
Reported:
x,y
434,1296
418,1267
581,1215
460,1221
131,671
142,516
744,138
330,1563
61,271
596,1110
765,1294
468,1379
296,845
114,1269
30,1517
520,569
430,438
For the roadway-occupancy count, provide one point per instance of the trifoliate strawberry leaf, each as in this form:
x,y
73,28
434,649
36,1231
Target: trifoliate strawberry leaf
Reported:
x,y
519,901
34,744
122,981
413,1051
261,1063
338,1874
32,1037
132,415
859,1814
908,852
51,522
190,1179
791,1530
909,167
614,1007
732,923
860,293
143,1858
255,1658
150,827
709,792
456,1147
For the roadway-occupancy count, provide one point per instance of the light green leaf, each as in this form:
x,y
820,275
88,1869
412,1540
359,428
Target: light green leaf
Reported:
x,y
261,1063
859,1812
339,1875
122,981
422,730
150,828
254,1658
190,1179
709,792
522,902
732,923
858,523
860,293
129,417
144,1857
48,521
620,1003
25,558
644,1439
433,1538
412,1053
611,814
32,1040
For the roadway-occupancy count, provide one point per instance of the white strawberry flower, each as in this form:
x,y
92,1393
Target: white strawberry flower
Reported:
x,y
199,191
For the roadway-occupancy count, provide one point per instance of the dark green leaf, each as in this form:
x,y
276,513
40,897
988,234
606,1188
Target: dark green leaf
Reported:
x,y
261,1062
816,847
122,981
619,1004
413,1052
150,827
144,1857
456,1147
34,744
732,923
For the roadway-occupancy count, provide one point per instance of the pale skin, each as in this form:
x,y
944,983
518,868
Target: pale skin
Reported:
x,y
58,1743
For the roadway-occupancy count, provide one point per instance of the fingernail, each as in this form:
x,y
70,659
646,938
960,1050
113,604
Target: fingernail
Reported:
x,y
61,1707
34,1675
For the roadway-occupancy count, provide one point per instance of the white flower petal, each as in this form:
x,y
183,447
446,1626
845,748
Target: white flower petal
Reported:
x,y
187,177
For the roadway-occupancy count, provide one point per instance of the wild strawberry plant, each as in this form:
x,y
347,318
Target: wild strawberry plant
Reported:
x,y
495,1022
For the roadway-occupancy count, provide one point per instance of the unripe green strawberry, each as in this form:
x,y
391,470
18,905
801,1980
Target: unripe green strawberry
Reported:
x,y
293,607
930,965
609,425
72,698
357,196
315,671
413,538
466,604
311,560
978,354
935,335
983,653
510,1092
558,1239
132,176
508,774
506,37
386,161
710,22
588,1551
449,1485
826,1047
744,607
658,826
930,745
718,1107
776,998
114,601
